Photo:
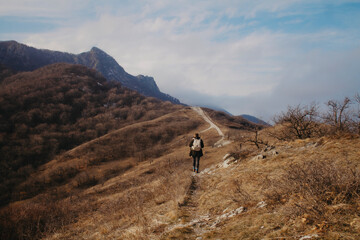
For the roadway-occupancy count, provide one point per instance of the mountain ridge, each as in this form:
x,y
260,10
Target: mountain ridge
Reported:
x,y
254,119
21,57
247,117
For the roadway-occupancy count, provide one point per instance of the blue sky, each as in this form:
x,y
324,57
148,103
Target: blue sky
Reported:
x,y
246,56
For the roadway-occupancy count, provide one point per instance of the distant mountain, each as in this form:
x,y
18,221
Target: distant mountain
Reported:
x,y
254,119
216,108
231,121
247,117
20,57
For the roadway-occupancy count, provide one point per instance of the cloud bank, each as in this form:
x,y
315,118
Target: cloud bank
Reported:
x,y
253,57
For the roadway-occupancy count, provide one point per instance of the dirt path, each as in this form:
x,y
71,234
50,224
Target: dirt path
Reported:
x,y
190,225
188,207
222,141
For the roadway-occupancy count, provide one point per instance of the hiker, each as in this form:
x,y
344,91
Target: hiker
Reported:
x,y
196,146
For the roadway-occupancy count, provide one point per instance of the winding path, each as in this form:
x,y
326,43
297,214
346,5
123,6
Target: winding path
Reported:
x,y
222,141
190,225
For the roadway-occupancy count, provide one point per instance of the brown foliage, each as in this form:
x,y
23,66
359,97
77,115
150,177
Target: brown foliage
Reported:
x,y
299,122
315,188
58,107
34,220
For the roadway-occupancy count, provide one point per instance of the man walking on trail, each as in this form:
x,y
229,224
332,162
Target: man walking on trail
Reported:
x,y
196,145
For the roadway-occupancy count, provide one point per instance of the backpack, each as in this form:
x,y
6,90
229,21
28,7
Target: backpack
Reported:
x,y
196,146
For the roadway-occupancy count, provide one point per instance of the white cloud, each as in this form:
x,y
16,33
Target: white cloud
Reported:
x,y
40,8
196,56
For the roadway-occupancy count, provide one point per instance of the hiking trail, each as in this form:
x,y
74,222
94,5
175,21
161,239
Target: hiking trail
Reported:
x,y
190,225
222,141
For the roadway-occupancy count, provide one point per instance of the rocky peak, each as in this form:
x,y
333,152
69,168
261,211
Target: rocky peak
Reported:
x,y
95,49
149,82
23,58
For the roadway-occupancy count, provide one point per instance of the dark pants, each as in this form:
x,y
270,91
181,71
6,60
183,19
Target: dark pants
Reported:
x,y
196,162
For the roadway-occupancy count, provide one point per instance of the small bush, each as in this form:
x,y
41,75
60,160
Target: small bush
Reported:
x,y
34,220
314,187
299,122
84,180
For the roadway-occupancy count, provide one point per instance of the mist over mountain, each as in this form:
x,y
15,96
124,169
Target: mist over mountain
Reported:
x,y
20,57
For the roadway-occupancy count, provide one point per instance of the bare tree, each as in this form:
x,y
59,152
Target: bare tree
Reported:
x,y
338,116
298,122
357,98
256,140
357,113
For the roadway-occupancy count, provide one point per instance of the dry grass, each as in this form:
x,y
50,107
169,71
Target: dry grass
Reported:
x,y
34,220
299,188
112,196
310,187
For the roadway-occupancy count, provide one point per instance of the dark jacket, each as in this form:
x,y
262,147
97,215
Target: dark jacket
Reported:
x,y
196,153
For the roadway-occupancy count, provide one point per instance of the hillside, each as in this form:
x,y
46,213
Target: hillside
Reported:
x,y
254,119
20,57
65,129
56,108
104,189
118,169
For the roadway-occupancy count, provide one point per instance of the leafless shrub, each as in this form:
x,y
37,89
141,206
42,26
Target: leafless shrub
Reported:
x,y
313,187
256,140
300,122
338,115
239,153
357,113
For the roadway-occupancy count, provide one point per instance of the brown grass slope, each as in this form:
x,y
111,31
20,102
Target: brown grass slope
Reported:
x,y
56,108
303,189
311,188
115,178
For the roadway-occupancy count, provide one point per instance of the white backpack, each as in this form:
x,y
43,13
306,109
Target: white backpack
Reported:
x,y
196,146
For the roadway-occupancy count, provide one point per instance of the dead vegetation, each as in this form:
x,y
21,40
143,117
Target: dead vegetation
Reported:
x,y
321,193
301,122
56,108
34,220
89,178
304,188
